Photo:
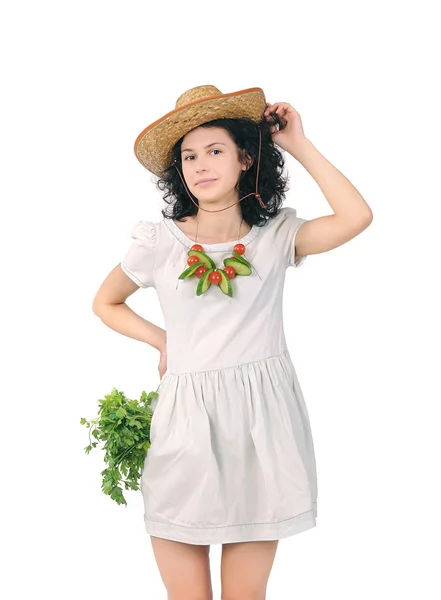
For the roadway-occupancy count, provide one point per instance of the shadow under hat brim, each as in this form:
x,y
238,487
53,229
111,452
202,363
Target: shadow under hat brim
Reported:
x,y
154,144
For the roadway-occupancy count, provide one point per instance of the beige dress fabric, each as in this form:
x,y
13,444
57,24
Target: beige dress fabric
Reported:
x,y
232,455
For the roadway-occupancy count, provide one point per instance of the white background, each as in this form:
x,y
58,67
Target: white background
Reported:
x,y
80,80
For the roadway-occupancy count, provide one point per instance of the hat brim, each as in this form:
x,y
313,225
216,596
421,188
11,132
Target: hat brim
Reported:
x,y
154,144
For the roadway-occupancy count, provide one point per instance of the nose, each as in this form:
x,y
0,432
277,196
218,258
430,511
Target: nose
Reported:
x,y
199,164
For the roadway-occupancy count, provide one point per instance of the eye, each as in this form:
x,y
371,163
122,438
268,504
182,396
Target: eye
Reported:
x,y
191,155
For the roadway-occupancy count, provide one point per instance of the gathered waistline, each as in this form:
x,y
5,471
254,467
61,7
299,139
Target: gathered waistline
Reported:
x,y
284,352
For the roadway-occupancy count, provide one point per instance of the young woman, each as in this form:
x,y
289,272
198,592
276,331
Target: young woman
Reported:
x,y
232,457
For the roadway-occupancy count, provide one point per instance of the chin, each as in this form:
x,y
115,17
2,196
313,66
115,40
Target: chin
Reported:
x,y
208,193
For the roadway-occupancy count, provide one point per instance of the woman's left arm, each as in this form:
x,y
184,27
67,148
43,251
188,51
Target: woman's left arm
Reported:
x,y
352,214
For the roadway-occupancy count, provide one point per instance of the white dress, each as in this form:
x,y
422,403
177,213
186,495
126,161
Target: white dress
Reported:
x,y
232,456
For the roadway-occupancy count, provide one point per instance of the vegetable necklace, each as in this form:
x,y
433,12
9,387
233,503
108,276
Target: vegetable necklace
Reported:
x,y
203,267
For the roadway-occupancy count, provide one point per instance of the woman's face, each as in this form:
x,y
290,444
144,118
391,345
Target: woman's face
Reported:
x,y
210,153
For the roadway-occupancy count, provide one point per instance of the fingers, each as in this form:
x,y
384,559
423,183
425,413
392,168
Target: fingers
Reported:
x,y
268,116
276,109
280,108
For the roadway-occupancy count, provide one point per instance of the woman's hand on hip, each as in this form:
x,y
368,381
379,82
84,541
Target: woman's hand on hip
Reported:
x,y
162,367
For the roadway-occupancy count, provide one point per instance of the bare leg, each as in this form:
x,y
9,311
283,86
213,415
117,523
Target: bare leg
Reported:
x,y
245,569
184,569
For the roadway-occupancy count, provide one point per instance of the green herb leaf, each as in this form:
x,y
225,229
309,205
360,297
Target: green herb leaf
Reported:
x,y
123,428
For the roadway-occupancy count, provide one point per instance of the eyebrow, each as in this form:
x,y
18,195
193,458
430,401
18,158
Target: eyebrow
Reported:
x,y
213,144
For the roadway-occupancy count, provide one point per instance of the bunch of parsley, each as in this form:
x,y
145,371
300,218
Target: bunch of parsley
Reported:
x,y
123,425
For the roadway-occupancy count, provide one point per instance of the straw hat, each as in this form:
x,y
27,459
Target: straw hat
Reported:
x,y
197,105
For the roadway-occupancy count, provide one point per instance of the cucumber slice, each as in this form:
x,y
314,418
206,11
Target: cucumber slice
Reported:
x,y
204,283
241,258
225,284
190,271
240,267
203,258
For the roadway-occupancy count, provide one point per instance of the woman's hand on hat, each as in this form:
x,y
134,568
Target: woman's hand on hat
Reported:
x,y
291,136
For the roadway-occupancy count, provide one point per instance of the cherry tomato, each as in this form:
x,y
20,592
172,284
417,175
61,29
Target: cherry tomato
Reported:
x,y
239,248
200,271
197,247
230,271
215,277
191,260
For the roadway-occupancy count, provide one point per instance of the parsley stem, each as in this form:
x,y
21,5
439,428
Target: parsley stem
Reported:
x,y
126,451
90,431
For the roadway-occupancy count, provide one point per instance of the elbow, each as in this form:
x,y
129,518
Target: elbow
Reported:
x,y
98,304
368,218
365,221
95,310
97,307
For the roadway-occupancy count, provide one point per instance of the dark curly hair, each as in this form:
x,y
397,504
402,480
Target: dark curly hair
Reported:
x,y
272,183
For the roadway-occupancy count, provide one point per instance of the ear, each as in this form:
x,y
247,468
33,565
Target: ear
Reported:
x,y
249,162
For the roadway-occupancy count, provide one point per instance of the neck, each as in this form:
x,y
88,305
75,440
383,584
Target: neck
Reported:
x,y
222,224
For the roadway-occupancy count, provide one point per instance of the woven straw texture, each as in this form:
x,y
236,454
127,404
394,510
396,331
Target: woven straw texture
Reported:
x,y
195,106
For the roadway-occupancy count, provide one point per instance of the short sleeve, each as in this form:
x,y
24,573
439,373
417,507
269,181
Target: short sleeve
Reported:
x,y
288,229
139,261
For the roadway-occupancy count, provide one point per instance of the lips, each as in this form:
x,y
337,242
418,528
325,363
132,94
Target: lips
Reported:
x,y
205,181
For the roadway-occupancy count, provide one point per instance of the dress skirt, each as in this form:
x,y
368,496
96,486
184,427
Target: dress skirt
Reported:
x,y
231,456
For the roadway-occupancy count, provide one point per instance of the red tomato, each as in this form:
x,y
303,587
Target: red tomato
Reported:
x,y
200,271
197,247
230,271
191,260
215,277
239,248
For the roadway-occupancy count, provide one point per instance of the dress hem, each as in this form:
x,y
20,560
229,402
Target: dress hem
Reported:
x,y
229,534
